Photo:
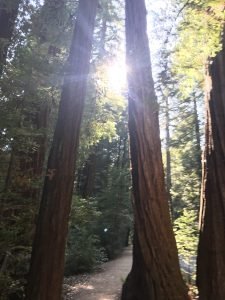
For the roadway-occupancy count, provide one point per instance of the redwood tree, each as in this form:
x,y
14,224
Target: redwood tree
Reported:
x,y
47,262
155,272
211,254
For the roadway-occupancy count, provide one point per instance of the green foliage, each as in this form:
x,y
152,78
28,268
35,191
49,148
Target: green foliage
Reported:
x,y
114,203
103,106
103,110
29,93
84,252
199,37
185,162
186,233
182,65
184,146
111,188
16,233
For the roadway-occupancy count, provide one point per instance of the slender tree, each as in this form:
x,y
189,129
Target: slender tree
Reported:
x,y
47,262
8,14
168,156
155,272
211,254
197,137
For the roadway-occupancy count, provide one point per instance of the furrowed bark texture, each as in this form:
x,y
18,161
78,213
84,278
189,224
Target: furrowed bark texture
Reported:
x,y
155,274
47,262
211,254
8,14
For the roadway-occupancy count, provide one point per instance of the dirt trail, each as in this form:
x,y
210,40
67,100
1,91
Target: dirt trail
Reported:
x,y
103,285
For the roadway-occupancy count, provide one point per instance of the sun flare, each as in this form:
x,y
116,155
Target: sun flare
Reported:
x,y
117,76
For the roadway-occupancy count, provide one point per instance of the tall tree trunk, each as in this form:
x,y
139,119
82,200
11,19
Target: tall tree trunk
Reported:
x,y
155,274
47,262
211,252
8,14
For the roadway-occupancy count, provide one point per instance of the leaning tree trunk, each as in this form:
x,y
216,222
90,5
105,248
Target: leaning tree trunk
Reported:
x,y
8,14
211,252
155,274
47,262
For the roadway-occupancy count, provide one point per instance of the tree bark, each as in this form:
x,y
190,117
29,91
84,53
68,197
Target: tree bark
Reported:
x,y
155,274
8,14
47,262
211,251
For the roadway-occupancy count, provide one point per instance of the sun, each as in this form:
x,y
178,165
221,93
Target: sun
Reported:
x,y
116,73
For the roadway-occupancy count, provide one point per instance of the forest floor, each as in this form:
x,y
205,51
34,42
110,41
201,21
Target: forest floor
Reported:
x,y
105,284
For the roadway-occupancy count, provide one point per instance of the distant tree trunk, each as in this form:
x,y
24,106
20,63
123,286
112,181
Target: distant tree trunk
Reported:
x,y
47,262
155,274
125,156
103,36
211,252
88,176
198,139
118,159
8,178
168,157
8,14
